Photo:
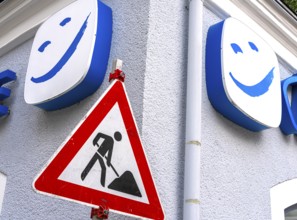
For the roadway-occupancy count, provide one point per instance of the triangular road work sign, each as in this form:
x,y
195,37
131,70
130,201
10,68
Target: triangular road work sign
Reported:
x,y
102,162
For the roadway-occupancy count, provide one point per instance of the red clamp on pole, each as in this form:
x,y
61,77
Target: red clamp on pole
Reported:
x,y
99,213
117,74
117,71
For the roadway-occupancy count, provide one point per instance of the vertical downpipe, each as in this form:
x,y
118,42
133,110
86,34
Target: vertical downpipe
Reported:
x,y
191,209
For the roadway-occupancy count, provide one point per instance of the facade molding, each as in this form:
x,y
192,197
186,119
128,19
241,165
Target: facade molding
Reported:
x,y
20,19
283,196
268,19
2,188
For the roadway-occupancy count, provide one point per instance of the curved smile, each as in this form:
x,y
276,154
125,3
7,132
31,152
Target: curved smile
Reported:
x,y
258,89
66,56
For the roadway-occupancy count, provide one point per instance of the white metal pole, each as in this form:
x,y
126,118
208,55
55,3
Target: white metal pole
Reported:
x,y
116,64
191,209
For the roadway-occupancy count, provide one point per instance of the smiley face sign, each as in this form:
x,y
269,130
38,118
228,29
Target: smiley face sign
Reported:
x,y
69,55
242,76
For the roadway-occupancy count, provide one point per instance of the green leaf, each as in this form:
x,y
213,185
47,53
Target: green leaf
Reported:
x,y
291,4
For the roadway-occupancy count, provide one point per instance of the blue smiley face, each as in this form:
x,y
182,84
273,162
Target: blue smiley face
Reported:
x,y
242,76
66,56
69,55
260,87
46,43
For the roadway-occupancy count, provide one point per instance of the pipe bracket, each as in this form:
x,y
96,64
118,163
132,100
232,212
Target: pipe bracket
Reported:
x,y
193,201
194,142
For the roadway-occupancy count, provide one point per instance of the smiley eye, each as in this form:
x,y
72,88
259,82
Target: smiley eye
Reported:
x,y
65,21
236,48
253,46
43,46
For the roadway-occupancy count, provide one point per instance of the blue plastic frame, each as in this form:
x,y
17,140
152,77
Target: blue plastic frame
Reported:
x,y
288,123
5,77
214,82
98,66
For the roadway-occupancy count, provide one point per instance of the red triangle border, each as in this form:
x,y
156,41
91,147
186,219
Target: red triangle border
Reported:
x,y
48,182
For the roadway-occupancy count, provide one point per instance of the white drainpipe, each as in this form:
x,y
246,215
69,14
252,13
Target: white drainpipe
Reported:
x,y
191,209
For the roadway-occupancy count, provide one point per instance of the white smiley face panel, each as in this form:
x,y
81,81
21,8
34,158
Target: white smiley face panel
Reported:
x,y
247,74
62,61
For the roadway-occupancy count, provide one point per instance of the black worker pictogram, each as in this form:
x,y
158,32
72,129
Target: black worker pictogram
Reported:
x,y
124,183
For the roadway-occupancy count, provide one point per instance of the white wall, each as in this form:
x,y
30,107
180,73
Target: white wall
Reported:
x,y
163,126
238,167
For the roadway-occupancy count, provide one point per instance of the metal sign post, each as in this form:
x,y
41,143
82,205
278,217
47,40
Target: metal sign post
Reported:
x,y
101,213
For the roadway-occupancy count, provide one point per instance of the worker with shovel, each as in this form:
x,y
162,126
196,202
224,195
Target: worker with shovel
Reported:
x,y
104,151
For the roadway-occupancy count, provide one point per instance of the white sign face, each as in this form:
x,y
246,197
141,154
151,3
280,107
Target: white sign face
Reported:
x,y
123,164
250,74
63,51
